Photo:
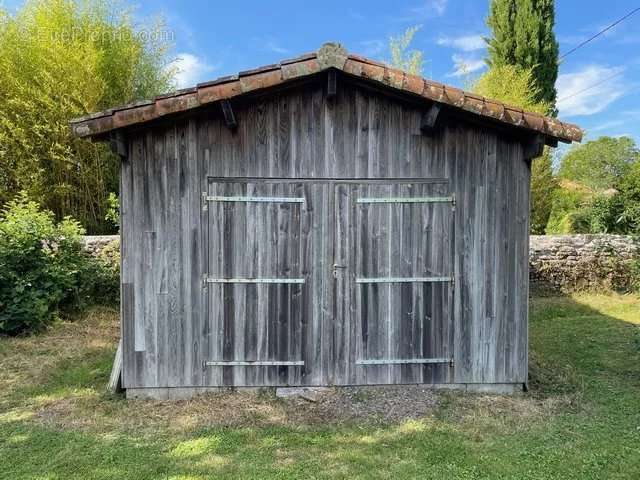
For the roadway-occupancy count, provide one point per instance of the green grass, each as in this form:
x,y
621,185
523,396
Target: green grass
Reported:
x,y
581,419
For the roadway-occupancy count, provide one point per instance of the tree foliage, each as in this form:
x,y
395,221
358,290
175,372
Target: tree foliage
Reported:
x,y
543,187
600,191
61,59
522,35
410,61
600,164
512,85
569,212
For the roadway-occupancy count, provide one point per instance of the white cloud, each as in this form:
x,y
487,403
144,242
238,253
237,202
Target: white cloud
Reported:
x,y
590,90
430,8
465,65
269,43
607,125
191,70
466,43
272,46
373,48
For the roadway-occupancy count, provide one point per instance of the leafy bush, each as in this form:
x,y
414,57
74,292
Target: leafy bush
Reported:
x,y
568,212
43,267
105,281
599,189
634,268
605,215
113,210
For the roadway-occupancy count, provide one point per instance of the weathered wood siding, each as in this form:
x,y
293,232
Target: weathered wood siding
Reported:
x,y
329,153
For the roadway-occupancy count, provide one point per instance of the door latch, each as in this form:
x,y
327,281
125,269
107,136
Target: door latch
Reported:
x,y
337,267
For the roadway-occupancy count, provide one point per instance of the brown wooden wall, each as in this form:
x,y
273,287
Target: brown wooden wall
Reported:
x,y
329,152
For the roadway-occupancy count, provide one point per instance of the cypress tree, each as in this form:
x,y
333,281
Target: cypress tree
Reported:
x,y
523,36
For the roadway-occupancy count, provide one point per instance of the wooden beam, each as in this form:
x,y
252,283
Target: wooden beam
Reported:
x,y
332,84
430,118
115,380
229,116
534,147
118,143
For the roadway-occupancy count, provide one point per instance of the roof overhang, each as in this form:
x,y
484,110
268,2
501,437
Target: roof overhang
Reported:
x,y
330,56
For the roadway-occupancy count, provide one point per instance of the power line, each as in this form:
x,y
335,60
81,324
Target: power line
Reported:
x,y
591,86
599,33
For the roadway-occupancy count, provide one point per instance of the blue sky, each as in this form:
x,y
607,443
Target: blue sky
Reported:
x,y
219,38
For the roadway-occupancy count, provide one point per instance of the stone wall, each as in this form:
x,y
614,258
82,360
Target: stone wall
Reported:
x,y
560,262
94,244
583,262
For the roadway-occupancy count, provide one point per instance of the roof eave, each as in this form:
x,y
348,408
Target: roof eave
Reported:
x,y
331,55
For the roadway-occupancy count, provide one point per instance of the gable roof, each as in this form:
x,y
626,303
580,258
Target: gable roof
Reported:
x,y
330,55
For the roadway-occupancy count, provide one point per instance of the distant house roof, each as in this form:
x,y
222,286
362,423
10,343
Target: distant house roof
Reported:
x,y
330,55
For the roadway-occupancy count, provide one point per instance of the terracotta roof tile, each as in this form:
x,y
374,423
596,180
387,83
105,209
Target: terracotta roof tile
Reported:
x,y
353,67
368,61
217,81
372,72
413,84
394,78
331,55
494,109
300,58
302,68
253,71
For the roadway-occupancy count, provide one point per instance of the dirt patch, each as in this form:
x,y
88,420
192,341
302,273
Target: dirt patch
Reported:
x,y
363,405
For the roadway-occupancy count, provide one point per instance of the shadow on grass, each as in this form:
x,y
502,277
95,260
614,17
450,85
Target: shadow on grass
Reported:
x,y
585,341
585,348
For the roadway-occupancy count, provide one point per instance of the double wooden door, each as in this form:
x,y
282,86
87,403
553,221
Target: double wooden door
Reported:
x,y
313,282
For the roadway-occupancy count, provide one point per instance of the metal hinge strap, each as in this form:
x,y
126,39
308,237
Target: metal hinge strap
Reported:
x,y
217,198
450,199
403,361
249,363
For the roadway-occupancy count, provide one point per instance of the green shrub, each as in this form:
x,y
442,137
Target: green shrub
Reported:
x,y
606,215
113,210
43,267
105,282
635,275
568,212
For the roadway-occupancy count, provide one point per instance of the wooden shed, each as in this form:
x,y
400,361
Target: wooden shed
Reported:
x,y
327,220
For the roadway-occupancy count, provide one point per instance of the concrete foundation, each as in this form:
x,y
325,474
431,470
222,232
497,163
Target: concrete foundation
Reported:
x,y
181,393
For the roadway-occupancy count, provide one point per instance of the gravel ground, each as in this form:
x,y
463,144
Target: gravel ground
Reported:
x,y
386,404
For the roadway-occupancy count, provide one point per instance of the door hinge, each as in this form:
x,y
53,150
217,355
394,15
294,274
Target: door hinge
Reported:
x,y
337,267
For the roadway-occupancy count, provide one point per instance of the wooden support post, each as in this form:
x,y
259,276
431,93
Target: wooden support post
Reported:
x,y
229,116
332,84
115,380
430,118
534,147
118,143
